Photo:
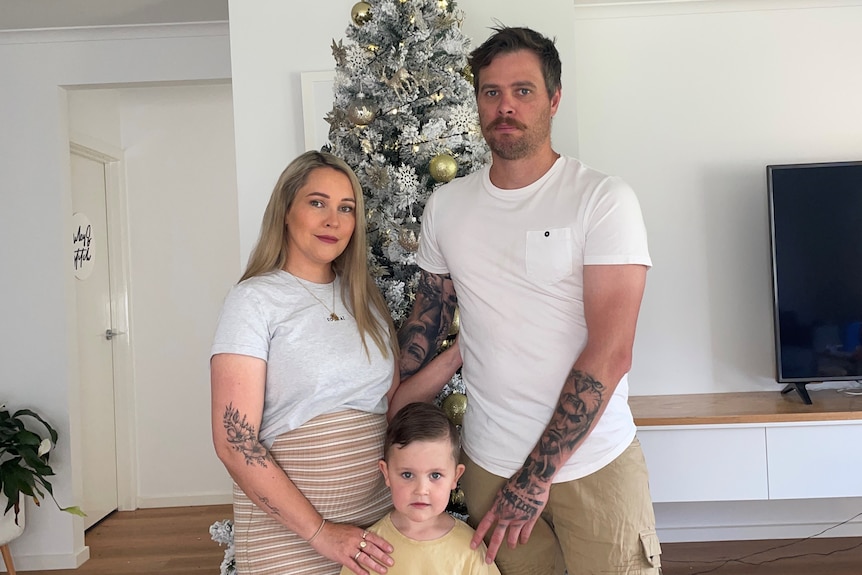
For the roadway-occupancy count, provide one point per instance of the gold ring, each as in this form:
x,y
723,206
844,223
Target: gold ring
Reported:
x,y
358,553
364,534
362,545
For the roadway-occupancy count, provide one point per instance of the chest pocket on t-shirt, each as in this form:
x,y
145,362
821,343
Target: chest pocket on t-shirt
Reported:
x,y
549,255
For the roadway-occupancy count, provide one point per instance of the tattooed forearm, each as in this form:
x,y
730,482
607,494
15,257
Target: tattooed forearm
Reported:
x,y
428,325
272,509
243,438
572,421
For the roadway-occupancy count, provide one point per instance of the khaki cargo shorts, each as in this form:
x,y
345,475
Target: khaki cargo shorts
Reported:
x,y
599,524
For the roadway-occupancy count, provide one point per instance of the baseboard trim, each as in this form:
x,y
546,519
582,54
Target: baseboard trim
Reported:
x,y
185,500
757,532
48,562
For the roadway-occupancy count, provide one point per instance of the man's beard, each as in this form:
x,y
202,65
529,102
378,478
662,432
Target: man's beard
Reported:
x,y
517,146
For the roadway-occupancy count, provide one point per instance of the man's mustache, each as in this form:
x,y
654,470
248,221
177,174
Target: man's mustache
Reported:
x,y
507,122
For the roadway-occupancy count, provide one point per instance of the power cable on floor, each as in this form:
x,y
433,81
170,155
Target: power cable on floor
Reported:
x,y
742,559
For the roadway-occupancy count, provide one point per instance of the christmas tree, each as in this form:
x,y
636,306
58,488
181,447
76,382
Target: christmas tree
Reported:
x,y
404,118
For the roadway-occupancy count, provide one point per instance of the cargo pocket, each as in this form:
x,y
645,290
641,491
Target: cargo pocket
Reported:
x,y
651,548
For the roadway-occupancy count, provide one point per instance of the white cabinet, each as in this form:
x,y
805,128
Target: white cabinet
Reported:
x,y
811,461
705,464
742,462
750,446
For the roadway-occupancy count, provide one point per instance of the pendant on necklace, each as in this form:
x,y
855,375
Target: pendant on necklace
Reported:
x,y
334,317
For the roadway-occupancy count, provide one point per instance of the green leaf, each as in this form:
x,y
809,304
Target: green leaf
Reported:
x,y
22,470
74,511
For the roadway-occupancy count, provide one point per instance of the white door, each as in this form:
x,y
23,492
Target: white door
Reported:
x,y
93,292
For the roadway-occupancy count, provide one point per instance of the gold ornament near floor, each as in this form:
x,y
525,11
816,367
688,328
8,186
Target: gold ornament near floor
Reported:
x,y
443,168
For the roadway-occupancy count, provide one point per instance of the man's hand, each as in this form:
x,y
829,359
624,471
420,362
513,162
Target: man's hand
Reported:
x,y
517,507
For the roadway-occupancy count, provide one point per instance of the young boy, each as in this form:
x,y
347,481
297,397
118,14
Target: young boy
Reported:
x,y
421,468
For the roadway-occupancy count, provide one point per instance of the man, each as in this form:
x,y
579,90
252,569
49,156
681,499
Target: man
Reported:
x,y
548,259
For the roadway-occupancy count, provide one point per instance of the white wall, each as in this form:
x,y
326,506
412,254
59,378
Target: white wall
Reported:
x,y
184,249
180,175
180,181
689,101
37,345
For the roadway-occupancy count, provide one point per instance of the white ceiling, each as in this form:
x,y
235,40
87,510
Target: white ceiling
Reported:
x,y
30,14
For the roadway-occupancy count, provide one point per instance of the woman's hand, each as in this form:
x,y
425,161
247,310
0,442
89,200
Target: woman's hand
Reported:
x,y
363,552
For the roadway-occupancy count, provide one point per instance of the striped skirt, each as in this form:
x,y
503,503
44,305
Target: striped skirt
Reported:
x,y
332,459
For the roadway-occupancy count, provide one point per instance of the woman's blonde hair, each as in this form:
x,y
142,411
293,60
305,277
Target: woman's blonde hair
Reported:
x,y
359,292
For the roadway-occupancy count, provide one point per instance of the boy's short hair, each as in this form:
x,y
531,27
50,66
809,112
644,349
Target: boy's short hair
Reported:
x,y
421,422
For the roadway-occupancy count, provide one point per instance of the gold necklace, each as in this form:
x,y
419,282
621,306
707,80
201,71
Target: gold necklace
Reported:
x,y
332,315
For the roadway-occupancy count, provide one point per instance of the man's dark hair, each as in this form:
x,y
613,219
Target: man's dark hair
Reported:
x,y
506,40
421,422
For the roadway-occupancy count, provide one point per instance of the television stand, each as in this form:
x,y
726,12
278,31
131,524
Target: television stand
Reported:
x,y
800,389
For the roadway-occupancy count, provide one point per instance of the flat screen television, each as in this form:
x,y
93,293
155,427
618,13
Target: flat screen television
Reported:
x,y
815,214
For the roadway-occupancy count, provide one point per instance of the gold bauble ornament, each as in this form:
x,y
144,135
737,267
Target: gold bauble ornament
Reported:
x,y
467,73
408,235
443,168
455,327
362,111
360,13
455,405
457,497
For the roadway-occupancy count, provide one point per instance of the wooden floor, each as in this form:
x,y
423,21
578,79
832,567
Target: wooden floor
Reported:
x,y
176,541
837,556
170,541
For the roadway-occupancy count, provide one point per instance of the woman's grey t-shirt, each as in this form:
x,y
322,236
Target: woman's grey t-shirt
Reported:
x,y
314,365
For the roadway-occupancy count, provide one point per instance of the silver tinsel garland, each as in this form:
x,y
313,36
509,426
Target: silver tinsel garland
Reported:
x,y
222,533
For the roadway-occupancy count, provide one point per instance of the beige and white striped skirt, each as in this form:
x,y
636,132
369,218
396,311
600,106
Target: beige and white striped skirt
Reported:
x,y
332,459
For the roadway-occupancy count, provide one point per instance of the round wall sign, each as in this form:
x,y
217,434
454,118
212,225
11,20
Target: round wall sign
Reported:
x,y
83,248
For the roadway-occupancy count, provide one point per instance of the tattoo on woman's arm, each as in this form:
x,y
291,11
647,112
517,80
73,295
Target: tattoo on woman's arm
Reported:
x,y
273,510
242,436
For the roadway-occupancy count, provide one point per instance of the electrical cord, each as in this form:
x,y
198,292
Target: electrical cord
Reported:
x,y
742,559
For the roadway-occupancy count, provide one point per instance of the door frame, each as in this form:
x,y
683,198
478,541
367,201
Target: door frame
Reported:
x,y
122,348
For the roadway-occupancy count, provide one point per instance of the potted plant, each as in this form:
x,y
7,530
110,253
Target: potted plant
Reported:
x,y
24,467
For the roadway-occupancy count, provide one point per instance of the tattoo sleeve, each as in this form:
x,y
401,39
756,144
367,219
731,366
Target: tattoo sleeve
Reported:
x,y
243,437
580,403
428,325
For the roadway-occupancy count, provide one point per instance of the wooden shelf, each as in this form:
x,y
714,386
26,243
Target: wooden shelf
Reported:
x,y
745,407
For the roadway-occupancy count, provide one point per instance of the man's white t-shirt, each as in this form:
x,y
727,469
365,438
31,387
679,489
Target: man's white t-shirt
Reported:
x,y
516,258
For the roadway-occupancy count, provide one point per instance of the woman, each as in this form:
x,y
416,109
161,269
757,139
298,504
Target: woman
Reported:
x,y
303,369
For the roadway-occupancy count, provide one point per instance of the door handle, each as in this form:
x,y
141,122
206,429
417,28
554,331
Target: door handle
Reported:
x,y
110,333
